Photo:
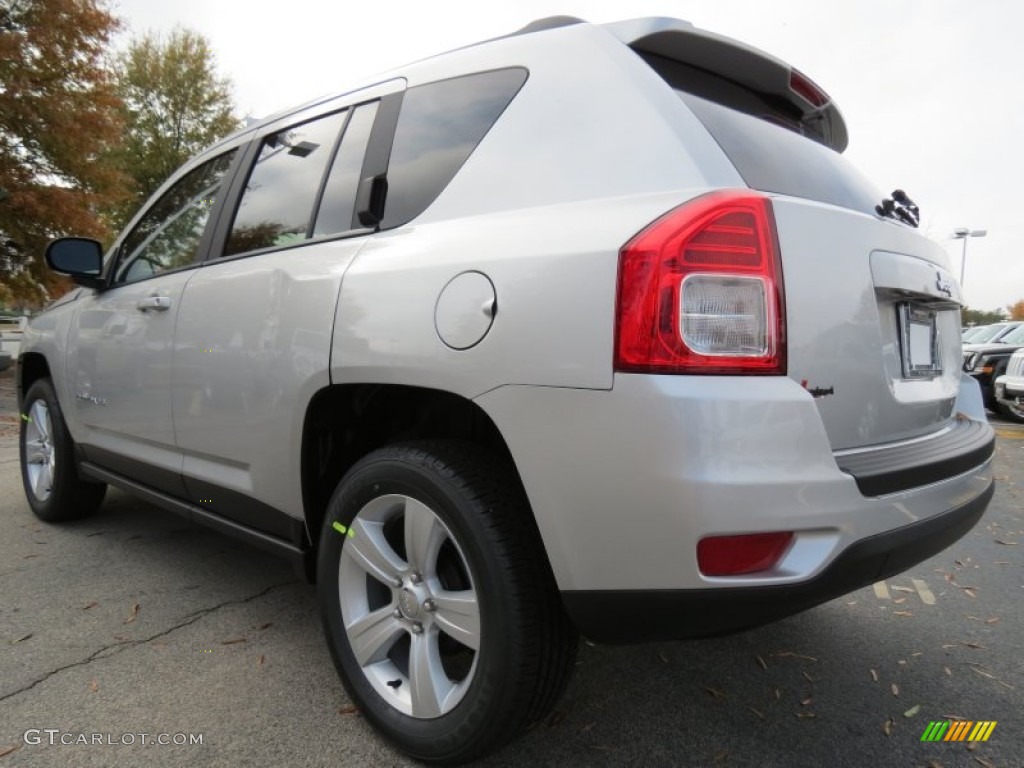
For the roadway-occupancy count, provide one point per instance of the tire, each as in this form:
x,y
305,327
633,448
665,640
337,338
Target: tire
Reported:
x,y
48,472
444,681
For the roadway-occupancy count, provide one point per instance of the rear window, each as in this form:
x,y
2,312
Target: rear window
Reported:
x,y
771,148
438,128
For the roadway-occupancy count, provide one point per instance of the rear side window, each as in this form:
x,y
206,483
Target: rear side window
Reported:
x,y
438,128
339,198
772,147
277,205
774,159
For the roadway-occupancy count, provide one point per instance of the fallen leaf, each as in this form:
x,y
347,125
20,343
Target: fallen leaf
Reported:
x,y
233,641
134,613
993,620
901,600
795,655
852,602
983,673
971,746
265,625
21,639
260,659
970,591
948,671
94,686
762,662
756,712
809,678
663,657
1007,543
953,717
348,709
778,694
903,589
917,653
902,661
874,675
93,604
714,692
29,557
984,762
972,644
805,702
895,690
912,711
7,750
888,725
902,613
805,715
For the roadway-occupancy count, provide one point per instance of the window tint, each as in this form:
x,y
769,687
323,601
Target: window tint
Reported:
x,y
439,127
774,159
168,235
278,199
339,198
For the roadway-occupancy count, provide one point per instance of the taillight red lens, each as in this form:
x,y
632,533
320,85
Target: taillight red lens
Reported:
x,y
737,555
700,290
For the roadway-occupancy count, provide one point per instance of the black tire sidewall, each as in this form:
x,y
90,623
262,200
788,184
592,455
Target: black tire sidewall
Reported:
x,y
66,500
471,719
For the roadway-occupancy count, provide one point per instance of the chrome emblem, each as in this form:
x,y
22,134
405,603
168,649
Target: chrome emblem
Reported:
x,y
942,285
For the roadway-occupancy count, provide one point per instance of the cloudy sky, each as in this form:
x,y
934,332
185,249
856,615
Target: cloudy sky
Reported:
x,y
930,89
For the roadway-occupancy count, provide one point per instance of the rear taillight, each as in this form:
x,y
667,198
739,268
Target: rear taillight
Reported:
x,y
700,290
738,555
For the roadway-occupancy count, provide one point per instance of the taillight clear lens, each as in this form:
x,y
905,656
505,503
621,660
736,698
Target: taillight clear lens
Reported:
x,y
700,290
722,315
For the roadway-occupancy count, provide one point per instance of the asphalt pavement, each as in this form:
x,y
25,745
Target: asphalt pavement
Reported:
x,y
135,626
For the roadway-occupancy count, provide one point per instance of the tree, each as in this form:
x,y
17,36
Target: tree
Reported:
x,y
980,316
1016,310
175,104
58,118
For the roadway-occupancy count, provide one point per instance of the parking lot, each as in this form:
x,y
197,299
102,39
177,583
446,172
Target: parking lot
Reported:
x,y
136,622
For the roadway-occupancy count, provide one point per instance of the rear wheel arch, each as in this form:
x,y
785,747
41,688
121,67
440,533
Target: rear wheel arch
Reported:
x,y
345,422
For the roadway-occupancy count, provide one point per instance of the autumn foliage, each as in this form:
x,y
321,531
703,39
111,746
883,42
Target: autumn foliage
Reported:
x,y
58,118
1016,310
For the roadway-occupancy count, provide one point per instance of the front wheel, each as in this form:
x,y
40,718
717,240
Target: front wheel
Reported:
x,y
439,607
52,486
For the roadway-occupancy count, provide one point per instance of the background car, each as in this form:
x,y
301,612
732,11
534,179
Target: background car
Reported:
x,y
992,333
986,362
1009,388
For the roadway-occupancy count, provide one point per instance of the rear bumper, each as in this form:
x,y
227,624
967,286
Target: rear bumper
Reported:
x,y
630,616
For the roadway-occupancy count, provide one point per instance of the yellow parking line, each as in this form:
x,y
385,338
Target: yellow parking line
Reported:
x,y
1012,435
926,594
881,591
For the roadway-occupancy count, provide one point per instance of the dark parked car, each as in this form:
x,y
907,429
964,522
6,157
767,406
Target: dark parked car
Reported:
x,y
986,362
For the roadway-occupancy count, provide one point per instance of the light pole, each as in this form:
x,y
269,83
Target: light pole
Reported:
x,y
962,233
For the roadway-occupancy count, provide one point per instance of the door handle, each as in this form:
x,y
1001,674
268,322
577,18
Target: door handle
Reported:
x,y
157,303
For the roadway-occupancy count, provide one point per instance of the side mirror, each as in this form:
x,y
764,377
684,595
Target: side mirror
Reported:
x,y
79,258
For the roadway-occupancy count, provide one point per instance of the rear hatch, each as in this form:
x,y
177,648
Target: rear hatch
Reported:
x,y
873,322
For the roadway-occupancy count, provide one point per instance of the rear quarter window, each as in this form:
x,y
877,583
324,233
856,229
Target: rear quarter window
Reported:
x,y
439,126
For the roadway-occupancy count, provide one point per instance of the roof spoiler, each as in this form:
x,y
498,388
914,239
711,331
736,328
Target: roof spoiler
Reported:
x,y
741,63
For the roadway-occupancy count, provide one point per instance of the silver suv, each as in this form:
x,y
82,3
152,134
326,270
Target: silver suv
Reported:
x,y
590,328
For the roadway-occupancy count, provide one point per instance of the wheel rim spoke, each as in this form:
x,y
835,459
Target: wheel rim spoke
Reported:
x,y
458,615
428,682
371,551
373,635
40,415
41,484
424,536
